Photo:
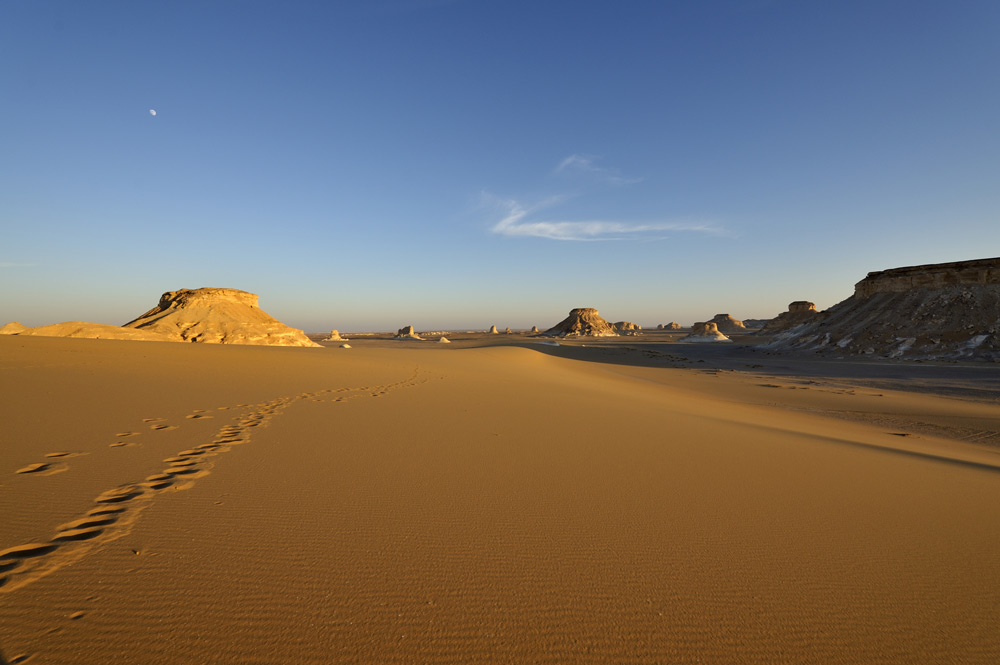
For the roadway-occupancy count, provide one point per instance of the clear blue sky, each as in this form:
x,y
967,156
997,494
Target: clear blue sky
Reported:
x,y
379,163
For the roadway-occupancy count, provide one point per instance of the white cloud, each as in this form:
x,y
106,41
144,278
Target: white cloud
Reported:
x,y
585,164
152,111
516,223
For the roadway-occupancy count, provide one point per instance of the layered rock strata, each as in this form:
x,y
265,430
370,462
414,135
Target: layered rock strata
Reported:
x,y
799,312
217,316
582,322
707,331
939,311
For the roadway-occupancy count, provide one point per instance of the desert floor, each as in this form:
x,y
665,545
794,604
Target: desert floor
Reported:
x,y
494,501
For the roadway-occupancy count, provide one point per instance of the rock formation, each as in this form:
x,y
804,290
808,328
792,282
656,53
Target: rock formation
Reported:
x,y
335,337
493,330
727,324
705,332
673,325
13,328
508,331
582,322
407,332
627,328
945,310
88,330
534,329
217,316
799,312
444,340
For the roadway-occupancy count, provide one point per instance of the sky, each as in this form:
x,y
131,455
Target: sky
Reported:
x,y
456,164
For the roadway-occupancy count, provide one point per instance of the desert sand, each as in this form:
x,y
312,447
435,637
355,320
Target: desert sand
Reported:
x,y
628,500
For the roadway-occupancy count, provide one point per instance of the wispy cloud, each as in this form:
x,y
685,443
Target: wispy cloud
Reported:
x,y
517,222
586,164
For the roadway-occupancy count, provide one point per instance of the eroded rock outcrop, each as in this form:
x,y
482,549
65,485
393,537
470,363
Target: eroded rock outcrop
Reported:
x,y
707,331
582,322
727,324
673,325
627,328
944,310
335,337
407,332
534,329
217,316
799,312
493,330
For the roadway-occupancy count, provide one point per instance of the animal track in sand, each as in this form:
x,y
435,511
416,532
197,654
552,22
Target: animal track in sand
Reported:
x,y
43,469
117,509
197,416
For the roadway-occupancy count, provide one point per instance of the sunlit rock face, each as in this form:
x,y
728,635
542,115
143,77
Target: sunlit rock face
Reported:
x,y
799,312
582,322
937,311
705,331
407,332
88,330
627,328
727,324
217,316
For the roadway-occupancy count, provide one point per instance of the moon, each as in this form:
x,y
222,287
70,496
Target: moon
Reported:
x,y
152,111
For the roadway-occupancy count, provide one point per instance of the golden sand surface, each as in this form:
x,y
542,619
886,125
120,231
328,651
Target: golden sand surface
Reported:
x,y
426,503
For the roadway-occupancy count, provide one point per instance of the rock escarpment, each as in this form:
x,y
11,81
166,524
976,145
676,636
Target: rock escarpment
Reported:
x,y
799,312
944,310
217,316
707,331
582,322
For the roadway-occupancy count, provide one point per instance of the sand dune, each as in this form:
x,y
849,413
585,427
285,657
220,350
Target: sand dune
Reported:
x,y
173,503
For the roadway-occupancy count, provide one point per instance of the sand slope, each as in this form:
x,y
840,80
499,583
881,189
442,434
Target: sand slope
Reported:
x,y
439,505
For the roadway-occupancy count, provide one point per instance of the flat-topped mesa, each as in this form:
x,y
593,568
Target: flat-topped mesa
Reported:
x,y
727,324
217,316
582,322
941,311
705,331
799,312
673,325
931,276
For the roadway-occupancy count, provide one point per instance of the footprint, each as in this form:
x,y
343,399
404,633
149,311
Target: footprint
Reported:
x,y
125,444
105,510
20,658
162,427
34,468
122,435
120,494
153,420
87,523
27,551
77,615
77,534
196,416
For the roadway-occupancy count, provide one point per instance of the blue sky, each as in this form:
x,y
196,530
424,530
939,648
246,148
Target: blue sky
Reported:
x,y
457,164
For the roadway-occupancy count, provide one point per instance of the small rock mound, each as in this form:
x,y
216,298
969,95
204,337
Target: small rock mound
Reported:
x,y
582,322
705,332
799,312
335,337
13,328
508,331
407,332
493,331
345,346
727,324
673,325
217,316
534,329
444,340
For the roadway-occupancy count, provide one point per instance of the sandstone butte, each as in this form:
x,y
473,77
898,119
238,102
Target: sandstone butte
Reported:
x,y
943,310
705,331
727,324
407,332
799,312
217,316
582,322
